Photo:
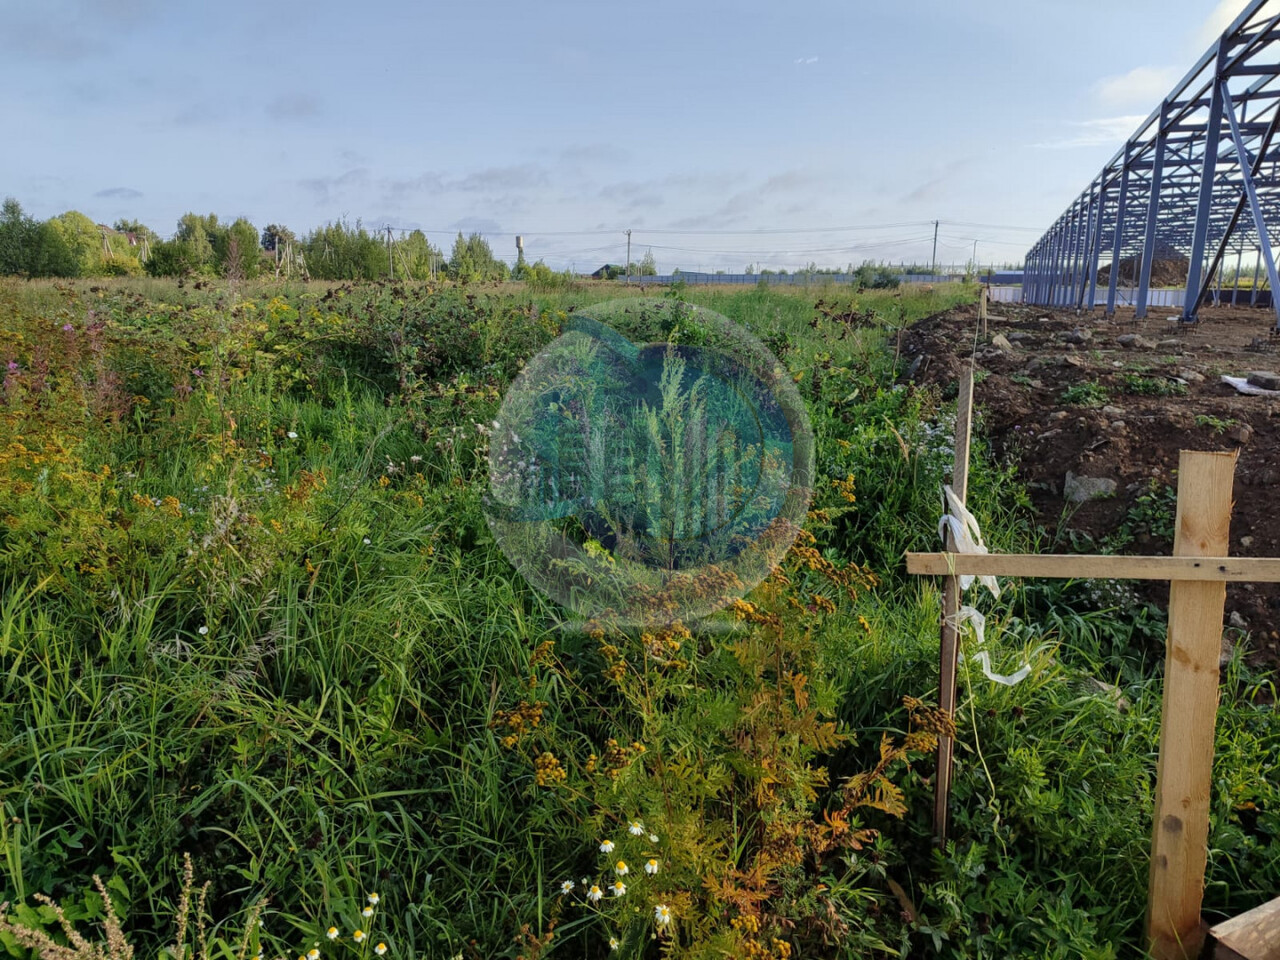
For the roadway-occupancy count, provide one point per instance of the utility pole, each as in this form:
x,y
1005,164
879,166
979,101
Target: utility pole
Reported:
x,y
975,256
628,255
934,267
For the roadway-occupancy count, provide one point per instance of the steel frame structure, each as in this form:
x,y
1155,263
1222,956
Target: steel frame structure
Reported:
x,y
1200,175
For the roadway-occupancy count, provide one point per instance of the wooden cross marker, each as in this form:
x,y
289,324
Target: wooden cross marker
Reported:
x,y
1198,573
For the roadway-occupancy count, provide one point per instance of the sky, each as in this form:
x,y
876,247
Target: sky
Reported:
x,y
721,135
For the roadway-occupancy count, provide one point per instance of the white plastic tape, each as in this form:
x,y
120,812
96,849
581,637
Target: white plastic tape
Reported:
x,y
966,535
979,623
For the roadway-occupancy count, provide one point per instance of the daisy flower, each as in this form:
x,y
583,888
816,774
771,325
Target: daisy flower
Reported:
x,y
595,893
651,868
313,954
621,868
613,943
367,912
653,838
204,629
373,898
566,887
358,936
606,847
380,949
619,888
662,914
636,829
332,933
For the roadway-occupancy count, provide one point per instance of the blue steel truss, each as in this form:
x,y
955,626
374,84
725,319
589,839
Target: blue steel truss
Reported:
x,y
1201,176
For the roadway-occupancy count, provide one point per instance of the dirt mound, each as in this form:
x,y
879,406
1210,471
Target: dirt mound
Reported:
x,y
1168,268
1117,399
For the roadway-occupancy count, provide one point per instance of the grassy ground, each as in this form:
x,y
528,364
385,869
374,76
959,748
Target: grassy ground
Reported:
x,y
251,611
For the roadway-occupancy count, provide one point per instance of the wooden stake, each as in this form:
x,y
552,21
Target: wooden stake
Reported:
x,y
950,607
982,309
1189,711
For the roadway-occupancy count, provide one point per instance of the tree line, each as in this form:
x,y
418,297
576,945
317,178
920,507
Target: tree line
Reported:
x,y
72,245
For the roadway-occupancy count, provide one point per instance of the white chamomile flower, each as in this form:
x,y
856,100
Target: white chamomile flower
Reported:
x,y
585,881
621,868
613,943
292,435
606,847
313,954
332,933
619,888
566,887
367,912
366,542
636,829
653,838
373,898
662,914
358,936
204,629
380,949
595,893
651,868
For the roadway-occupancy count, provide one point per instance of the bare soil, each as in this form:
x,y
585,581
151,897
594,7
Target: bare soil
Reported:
x,y
1133,438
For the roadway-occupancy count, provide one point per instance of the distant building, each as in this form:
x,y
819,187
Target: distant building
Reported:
x,y
608,272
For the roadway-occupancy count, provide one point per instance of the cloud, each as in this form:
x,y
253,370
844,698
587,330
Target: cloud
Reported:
x,y
1224,13
1095,133
1140,87
806,60
476,225
523,176
592,153
295,106
194,114
326,188
120,193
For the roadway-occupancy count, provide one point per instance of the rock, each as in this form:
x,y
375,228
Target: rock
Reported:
x,y
1001,343
1172,345
1074,362
1134,341
1082,489
1227,649
1058,415
1246,542
1265,379
1117,425
1191,376
1018,336
1076,336
1110,410
1241,433
1110,691
1237,621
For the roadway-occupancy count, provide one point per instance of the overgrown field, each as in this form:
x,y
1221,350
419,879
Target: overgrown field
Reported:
x,y
251,611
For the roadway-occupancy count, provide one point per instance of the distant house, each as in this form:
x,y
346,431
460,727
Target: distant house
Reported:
x,y
608,272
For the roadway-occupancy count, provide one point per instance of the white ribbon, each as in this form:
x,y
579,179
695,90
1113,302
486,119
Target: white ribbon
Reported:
x,y
967,538
979,623
966,535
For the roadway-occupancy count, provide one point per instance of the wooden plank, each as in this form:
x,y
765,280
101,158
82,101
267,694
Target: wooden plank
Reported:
x,y
950,645
1180,827
1253,935
1095,567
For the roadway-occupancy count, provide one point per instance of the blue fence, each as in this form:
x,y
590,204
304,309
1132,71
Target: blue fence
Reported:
x,y
782,279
